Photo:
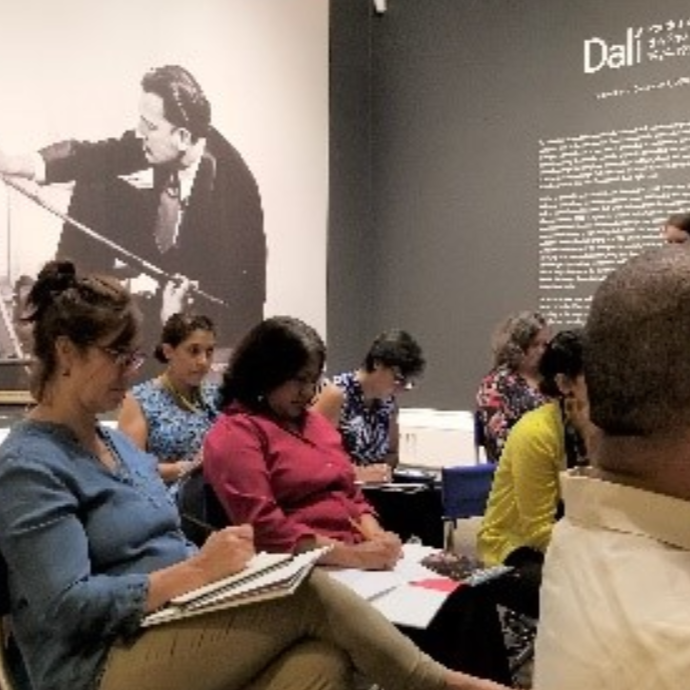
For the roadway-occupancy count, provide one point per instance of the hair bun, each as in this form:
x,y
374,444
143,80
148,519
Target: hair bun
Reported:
x,y
53,279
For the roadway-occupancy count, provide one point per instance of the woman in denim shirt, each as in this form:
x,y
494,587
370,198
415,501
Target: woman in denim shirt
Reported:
x,y
92,542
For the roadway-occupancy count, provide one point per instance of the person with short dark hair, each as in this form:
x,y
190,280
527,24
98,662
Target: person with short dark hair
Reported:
x,y
523,505
175,193
676,230
616,578
92,543
511,388
363,404
169,415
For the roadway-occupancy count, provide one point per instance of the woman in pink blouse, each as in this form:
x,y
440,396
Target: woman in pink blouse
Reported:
x,y
280,466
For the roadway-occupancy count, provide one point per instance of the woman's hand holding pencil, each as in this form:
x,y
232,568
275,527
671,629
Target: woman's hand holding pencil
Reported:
x,y
379,550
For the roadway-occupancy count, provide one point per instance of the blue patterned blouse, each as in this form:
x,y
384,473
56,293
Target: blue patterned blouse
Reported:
x,y
365,428
174,433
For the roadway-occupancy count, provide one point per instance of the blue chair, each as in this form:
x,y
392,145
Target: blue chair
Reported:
x,y
464,493
465,490
201,511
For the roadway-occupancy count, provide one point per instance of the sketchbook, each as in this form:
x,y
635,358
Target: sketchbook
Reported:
x,y
267,576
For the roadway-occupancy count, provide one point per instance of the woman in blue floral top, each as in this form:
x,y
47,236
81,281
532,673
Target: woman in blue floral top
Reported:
x,y
169,416
511,388
362,404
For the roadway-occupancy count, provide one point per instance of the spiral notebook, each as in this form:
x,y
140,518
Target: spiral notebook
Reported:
x,y
267,576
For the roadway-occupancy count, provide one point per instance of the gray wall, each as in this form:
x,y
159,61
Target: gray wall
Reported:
x,y
351,277
437,108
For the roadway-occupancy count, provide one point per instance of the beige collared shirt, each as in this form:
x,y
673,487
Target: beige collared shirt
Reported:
x,y
615,597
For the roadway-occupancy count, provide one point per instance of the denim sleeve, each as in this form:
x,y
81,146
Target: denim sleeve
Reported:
x,y
46,548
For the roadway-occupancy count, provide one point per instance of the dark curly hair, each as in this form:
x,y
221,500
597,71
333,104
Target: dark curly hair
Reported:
x,y
563,355
184,102
178,328
396,348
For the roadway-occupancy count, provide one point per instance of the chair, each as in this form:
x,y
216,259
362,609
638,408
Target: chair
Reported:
x,y
201,511
464,493
12,672
7,670
480,439
6,679
414,513
465,490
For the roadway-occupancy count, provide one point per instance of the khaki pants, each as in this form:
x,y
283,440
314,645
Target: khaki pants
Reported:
x,y
312,640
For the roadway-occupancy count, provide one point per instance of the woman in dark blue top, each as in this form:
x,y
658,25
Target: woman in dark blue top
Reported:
x,y
363,403
92,542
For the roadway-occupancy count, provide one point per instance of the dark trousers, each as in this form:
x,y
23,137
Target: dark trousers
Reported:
x,y
519,589
466,634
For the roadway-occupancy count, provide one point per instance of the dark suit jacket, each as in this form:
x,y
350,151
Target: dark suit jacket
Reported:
x,y
221,241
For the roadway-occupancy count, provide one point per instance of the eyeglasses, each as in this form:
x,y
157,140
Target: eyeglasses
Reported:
x,y
308,382
402,381
127,359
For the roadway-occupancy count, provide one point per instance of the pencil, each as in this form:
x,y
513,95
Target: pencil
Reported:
x,y
358,528
199,523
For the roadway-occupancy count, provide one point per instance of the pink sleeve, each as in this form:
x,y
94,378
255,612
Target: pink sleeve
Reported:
x,y
235,465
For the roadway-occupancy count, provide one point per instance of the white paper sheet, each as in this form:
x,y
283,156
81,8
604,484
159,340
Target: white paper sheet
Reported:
x,y
392,591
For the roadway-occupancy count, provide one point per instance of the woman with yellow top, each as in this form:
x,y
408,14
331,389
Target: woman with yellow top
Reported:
x,y
523,505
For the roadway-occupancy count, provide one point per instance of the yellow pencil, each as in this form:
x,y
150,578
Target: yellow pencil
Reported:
x,y
358,528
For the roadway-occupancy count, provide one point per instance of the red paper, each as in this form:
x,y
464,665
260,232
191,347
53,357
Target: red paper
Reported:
x,y
440,584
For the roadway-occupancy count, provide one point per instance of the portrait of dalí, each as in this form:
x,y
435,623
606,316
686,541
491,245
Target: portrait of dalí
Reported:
x,y
165,188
